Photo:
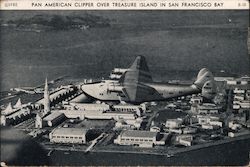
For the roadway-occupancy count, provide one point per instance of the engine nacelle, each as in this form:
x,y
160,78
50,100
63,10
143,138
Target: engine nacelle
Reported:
x,y
119,70
115,88
115,76
209,90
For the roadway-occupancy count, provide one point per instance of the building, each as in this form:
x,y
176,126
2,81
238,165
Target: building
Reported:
x,y
189,130
171,106
137,138
241,106
11,115
194,109
68,135
207,126
236,106
223,79
53,119
209,122
56,96
121,124
39,120
241,100
244,104
138,109
216,123
196,99
239,133
239,91
248,95
178,131
8,110
206,119
130,119
87,107
18,104
135,122
3,120
185,140
155,129
173,123
234,125
208,108
241,83
238,97
98,115
129,123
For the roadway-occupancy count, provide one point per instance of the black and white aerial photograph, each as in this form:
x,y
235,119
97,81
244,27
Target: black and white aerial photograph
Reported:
x,y
125,88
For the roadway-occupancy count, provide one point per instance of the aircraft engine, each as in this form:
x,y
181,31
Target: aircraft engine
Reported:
x,y
209,90
115,88
117,73
119,70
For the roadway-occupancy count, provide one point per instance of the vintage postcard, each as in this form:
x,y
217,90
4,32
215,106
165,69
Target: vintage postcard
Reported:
x,y
125,82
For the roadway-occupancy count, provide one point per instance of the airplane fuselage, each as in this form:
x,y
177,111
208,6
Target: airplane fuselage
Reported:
x,y
168,91
100,91
136,85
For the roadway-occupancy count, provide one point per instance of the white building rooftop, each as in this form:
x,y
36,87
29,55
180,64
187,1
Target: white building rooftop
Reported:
x,y
69,131
138,133
52,116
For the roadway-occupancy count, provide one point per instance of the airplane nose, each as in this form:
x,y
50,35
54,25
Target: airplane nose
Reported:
x,y
89,89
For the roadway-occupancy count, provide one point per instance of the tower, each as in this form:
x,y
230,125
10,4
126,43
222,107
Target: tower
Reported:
x,y
46,102
39,121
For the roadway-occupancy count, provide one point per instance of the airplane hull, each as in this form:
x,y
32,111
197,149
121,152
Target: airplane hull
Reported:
x,y
136,86
99,91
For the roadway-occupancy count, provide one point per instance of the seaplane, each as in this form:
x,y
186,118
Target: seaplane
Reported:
x,y
135,85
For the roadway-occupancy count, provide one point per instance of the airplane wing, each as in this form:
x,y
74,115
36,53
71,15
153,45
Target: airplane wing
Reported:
x,y
139,93
138,72
132,81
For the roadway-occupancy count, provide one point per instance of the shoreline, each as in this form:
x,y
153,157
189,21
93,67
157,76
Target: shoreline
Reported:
x,y
171,152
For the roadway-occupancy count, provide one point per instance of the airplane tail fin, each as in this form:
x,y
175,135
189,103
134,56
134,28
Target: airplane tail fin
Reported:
x,y
203,76
205,82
